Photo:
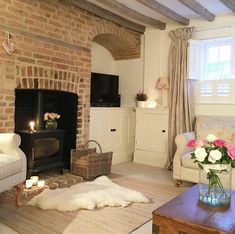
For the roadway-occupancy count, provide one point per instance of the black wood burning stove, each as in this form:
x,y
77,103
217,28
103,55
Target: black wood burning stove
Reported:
x,y
46,149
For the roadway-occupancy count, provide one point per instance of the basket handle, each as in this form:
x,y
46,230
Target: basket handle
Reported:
x,y
94,142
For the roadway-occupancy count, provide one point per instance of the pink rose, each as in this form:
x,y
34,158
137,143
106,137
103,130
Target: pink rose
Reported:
x,y
219,142
200,143
231,151
191,143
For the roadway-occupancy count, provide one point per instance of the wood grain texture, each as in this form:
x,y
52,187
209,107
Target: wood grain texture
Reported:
x,y
158,7
186,214
105,14
127,12
199,9
230,4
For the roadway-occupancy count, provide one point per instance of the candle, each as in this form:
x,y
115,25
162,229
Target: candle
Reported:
x,y
32,125
34,179
29,183
41,183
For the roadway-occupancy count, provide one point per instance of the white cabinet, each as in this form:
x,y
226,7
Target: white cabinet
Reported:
x,y
151,136
114,129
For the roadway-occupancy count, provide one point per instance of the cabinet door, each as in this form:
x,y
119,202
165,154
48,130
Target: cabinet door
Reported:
x,y
125,137
100,129
114,130
151,132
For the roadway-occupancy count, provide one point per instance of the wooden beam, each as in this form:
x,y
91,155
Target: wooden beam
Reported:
x,y
105,14
199,9
156,6
230,4
121,8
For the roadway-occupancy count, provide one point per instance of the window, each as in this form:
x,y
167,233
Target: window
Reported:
x,y
217,61
212,63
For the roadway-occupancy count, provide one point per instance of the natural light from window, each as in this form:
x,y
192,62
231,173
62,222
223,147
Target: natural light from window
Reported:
x,y
217,62
212,63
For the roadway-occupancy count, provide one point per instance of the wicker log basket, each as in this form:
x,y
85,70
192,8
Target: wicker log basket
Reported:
x,y
89,164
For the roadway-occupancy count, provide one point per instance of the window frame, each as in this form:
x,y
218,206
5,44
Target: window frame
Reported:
x,y
218,42
216,91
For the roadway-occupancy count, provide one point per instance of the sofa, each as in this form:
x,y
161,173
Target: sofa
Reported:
x,y
12,164
184,168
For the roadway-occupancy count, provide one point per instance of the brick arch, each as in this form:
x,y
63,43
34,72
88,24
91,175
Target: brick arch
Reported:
x,y
120,42
48,78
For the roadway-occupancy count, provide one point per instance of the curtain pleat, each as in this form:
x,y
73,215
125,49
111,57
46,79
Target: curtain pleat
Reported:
x,y
181,98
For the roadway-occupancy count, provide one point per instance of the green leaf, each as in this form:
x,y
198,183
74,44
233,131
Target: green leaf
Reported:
x,y
233,163
200,166
224,161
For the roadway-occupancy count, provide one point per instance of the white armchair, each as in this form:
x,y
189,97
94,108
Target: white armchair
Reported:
x,y
184,167
12,164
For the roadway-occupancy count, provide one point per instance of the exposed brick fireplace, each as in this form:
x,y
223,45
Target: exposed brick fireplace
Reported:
x,y
53,51
44,148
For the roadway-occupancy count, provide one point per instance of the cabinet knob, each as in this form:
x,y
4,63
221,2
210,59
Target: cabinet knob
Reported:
x,y
163,130
113,130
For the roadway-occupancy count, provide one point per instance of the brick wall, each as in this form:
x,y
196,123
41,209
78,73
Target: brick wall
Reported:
x,y
53,42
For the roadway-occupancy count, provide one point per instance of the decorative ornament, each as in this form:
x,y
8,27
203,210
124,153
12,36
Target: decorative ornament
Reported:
x,y
8,46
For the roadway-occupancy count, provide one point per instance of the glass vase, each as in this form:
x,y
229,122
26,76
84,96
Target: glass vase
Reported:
x,y
215,184
51,124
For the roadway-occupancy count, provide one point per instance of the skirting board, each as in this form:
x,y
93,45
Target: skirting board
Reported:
x,y
151,158
122,156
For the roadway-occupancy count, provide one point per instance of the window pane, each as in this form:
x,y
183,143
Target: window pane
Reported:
x,y
213,53
224,53
217,66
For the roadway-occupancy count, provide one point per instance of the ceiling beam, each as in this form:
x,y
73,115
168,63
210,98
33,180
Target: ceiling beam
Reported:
x,y
199,9
121,8
230,4
105,14
158,7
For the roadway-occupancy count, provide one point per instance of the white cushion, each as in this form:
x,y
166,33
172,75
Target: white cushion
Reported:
x,y
9,165
188,162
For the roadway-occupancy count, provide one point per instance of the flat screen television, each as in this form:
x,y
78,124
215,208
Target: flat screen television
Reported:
x,y
104,90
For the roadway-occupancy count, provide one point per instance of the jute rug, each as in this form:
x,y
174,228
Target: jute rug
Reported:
x,y
116,220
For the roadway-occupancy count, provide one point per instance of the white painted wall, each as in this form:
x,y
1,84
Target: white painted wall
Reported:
x,y
130,72
136,74
152,62
143,73
101,60
215,109
130,80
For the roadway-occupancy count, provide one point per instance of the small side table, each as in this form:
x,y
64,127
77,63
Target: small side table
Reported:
x,y
185,214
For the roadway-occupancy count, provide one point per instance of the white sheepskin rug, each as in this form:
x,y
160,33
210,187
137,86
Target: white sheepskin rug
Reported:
x,y
89,195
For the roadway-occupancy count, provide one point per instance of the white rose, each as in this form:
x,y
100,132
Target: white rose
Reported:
x,y
211,137
214,156
200,154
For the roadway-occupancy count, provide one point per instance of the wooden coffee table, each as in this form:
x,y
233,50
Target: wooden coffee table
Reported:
x,y
185,214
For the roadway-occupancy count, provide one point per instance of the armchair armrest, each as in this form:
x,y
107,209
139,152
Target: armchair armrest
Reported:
x,y
181,143
9,144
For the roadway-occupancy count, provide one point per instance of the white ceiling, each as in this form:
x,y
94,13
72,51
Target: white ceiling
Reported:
x,y
214,6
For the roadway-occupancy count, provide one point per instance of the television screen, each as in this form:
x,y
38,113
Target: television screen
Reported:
x,y
104,90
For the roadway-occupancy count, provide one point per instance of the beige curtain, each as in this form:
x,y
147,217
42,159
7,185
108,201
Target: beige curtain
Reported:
x,y
181,104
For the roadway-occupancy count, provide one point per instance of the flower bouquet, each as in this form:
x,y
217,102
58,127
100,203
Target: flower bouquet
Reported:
x,y
51,120
215,158
51,115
